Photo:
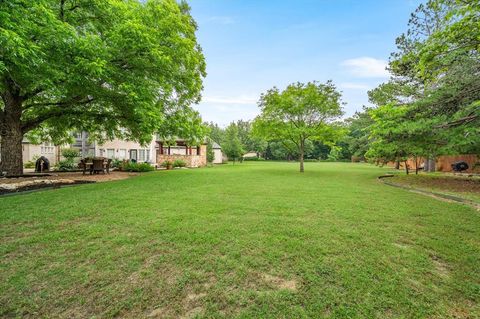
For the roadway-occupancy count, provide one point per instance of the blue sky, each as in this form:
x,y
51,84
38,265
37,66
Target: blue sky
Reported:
x,y
251,46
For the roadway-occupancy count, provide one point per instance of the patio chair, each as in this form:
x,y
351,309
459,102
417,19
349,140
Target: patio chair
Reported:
x,y
98,166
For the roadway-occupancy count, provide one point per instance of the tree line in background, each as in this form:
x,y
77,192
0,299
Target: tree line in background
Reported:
x,y
430,106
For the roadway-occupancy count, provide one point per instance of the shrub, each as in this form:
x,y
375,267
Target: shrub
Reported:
x,y
29,164
70,153
116,163
356,159
253,158
137,167
310,160
66,165
210,153
167,163
179,163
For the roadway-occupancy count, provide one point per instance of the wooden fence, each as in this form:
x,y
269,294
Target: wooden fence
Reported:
x,y
444,163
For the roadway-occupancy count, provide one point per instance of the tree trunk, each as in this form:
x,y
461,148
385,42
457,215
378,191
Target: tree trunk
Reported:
x,y
397,164
406,167
430,164
11,135
302,152
416,165
11,153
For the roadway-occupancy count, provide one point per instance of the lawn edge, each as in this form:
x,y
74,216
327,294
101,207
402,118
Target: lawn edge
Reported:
x,y
438,196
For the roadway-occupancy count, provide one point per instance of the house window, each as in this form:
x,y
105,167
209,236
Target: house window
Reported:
x,y
110,153
141,155
122,153
102,152
47,148
147,155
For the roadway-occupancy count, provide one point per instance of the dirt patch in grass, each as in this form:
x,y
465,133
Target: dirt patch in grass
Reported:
x,y
157,313
401,245
441,267
280,283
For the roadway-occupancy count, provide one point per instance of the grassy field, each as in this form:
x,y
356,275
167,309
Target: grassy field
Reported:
x,y
256,240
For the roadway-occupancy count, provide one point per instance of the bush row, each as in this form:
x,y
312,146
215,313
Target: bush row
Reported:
x,y
137,167
253,158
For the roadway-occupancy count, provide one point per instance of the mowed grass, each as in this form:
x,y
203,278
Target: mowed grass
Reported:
x,y
256,240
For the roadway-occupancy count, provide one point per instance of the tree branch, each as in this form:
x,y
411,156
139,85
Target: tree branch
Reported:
x,y
73,101
461,121
32,94
35,122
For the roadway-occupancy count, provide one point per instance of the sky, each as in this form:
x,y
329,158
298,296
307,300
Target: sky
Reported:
x,y
251,46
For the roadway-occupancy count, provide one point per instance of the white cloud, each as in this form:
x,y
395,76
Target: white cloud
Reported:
x,y
367,67
222,20
354,86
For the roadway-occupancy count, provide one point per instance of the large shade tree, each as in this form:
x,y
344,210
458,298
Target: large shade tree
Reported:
x,y
300,113
110,67
431,104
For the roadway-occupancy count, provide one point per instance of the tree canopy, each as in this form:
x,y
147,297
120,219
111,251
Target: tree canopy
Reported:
x,y
431,104
232,146
113,68
300,113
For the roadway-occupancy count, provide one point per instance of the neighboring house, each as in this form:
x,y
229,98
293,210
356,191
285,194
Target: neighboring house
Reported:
x,y
217,154
250,154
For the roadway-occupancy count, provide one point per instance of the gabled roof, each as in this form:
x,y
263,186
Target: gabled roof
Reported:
x,y
215,146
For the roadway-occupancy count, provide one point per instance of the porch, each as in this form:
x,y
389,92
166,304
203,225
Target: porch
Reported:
x,y
193,156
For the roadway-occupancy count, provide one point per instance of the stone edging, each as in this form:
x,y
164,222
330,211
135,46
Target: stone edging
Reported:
x,y
431,194
34,187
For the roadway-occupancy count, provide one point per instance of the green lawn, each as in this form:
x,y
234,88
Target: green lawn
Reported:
x,y
255,240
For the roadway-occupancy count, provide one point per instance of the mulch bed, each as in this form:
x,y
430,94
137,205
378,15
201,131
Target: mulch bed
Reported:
x,y
41,185
447,183
434,186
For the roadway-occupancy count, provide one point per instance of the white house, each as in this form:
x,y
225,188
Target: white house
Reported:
x,y
250,154
217,154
